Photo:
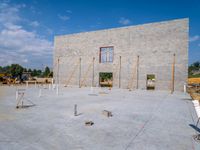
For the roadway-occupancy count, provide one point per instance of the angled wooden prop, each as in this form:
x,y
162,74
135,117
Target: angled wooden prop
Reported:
x,y
91,66
72,73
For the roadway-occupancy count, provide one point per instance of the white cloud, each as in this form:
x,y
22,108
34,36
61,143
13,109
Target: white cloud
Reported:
x,y
63,17
8,14
194,38
69,11
124,21
34,24
18,45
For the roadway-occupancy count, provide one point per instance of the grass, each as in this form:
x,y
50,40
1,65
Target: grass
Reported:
x,y
193,80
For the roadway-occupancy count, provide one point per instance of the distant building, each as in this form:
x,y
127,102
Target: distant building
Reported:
x,y
195,72
133,55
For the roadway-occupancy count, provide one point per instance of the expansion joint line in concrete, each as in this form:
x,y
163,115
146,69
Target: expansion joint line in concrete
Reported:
x,y
137,134
190,113
145,124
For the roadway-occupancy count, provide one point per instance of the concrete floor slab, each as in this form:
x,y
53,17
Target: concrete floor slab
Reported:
x,y
145,120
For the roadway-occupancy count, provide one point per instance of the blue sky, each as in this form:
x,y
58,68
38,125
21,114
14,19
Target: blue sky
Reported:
x,y
28,27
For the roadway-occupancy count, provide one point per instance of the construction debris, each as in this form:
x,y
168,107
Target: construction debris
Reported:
x,y
89,123
20,99
107,113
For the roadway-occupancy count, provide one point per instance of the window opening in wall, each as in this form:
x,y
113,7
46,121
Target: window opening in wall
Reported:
x,y
151,82
105,79
106,54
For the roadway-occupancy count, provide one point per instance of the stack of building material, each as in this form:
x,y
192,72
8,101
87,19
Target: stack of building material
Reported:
x,y
195,96
197,109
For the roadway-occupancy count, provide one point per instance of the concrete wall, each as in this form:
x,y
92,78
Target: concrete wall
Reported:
x,y
154,43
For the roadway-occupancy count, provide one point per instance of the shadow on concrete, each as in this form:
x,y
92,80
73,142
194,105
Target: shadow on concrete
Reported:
x,y
79,114
187,99
195,127
24,106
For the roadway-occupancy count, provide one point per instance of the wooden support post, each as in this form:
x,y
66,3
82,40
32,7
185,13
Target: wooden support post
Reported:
x,y
137,84
120,71
57,70
173,73
79,72
57,90
93,71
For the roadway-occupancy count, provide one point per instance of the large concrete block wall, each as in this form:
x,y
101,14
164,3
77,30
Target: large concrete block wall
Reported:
x,y
154,43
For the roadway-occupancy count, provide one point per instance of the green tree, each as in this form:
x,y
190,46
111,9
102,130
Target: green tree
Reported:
x,y
25,70
39,73
105,76
51,74
7,69
1,69
16,70
193,68
196,65
46,72
29,70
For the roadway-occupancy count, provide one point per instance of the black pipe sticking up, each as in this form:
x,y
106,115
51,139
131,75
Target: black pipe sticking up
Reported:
x,y
75,110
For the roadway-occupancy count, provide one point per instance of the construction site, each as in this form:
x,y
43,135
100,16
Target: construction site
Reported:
x,y
116,89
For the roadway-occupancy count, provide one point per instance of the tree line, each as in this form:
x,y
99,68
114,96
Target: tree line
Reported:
x,y
194,70
16,71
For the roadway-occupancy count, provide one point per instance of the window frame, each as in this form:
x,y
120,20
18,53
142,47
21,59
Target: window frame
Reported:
x,y
100,49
